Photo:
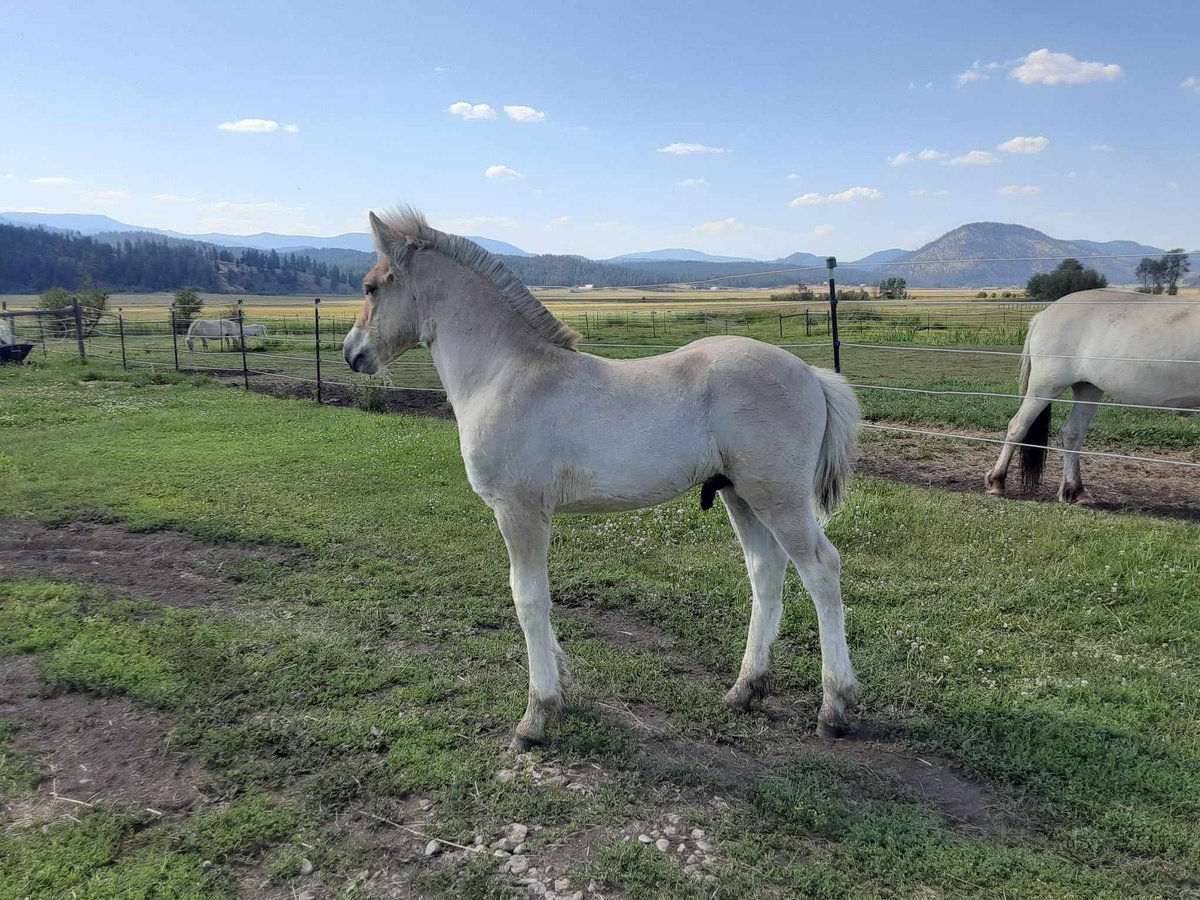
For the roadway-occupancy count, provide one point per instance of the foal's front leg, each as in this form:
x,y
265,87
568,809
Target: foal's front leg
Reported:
x,y
527,535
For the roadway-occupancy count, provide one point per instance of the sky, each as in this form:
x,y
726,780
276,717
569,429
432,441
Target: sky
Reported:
x,y
603,128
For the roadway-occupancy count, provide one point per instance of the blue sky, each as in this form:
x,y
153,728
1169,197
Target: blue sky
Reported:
x,y
595,128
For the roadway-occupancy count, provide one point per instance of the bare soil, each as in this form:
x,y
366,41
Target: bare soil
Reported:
x,y
96,752
1112,484
788,733
163,566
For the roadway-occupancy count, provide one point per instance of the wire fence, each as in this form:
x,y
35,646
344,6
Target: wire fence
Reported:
x,y
918,366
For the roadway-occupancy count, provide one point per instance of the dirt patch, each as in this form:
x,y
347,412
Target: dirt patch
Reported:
x,y
97,752
163,566
394,400
959,466
788,732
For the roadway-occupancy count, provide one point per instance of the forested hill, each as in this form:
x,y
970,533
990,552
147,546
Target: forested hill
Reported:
x,y
34,259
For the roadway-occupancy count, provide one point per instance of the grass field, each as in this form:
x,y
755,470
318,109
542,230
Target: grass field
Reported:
x,y
1042,660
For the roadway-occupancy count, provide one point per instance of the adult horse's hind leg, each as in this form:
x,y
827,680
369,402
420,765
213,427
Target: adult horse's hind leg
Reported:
x,y
526,533
1086,397
1019,427
766,563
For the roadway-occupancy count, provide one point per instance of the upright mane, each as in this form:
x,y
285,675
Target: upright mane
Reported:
x,y
513,293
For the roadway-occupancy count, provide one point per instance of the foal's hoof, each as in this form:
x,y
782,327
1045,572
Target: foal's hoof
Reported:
x,y
522,743
746,691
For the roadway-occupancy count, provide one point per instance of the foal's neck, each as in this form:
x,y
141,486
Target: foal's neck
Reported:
x,y
473,335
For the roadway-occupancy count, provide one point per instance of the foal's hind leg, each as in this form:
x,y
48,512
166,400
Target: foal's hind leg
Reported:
x,y
820,566
1086,396
766,563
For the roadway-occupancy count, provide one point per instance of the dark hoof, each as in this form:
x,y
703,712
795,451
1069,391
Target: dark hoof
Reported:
x,y
1072,493
831,730
994,485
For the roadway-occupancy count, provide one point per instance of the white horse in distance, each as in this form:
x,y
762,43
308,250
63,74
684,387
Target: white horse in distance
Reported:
x,y
1134,348
546,429
226,330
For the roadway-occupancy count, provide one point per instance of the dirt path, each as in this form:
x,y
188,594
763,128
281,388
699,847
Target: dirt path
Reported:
x,y
163,566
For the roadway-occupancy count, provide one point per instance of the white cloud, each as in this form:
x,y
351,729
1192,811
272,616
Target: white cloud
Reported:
x,y
52,181
1191,83
292,129
692,182
501,172
558,223
250,126
104,198
925,192
795,176
524,114
251,209
439,69
1022,144
971,74
720,226
974,158
477,223
1046,67
678,149
8,177
1102,148
929,154
822,230
471,110
846,196
903,158
1020,190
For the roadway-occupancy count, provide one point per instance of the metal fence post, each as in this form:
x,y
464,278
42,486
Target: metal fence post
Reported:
x,y
242,340
781,327
831,265
317,325
42,337
121,328
807,324
174,338
78,313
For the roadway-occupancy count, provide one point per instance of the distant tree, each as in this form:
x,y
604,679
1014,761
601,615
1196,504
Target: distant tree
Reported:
x,y
982,295
1067,278
187,306
1175,265
893,288
93,303
1152,273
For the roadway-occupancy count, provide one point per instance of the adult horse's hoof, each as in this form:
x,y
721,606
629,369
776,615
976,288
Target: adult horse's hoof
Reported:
x,y
831,727
1072,492
994,484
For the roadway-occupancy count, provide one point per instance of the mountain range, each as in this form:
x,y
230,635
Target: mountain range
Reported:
x,y
980,254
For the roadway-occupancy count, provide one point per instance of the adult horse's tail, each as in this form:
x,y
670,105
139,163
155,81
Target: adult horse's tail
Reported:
x,y
1037,438
839,446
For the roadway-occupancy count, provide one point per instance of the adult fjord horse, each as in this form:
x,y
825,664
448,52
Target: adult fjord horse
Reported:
x,y
1139,350
545,429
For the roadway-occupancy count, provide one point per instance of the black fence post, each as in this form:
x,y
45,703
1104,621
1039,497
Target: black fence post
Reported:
x,y
175,338
242,341
831,265
807,325
121,328
781,327
78,314
317,326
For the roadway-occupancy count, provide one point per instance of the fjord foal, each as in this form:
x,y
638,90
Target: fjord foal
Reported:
x,y
1138,349
547,429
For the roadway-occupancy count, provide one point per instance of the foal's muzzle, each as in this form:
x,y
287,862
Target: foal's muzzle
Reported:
x,y
358,353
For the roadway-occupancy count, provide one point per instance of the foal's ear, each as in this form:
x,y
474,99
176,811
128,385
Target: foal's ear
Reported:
x,y
387,241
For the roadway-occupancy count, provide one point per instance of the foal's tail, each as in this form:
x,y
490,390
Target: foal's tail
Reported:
x,y
1037,437
839,446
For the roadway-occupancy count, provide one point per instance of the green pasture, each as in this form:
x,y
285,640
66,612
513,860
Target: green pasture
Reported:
x,y
1046,655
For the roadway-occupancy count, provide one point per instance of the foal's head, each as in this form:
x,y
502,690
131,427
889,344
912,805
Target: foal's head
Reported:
x,y
389,324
